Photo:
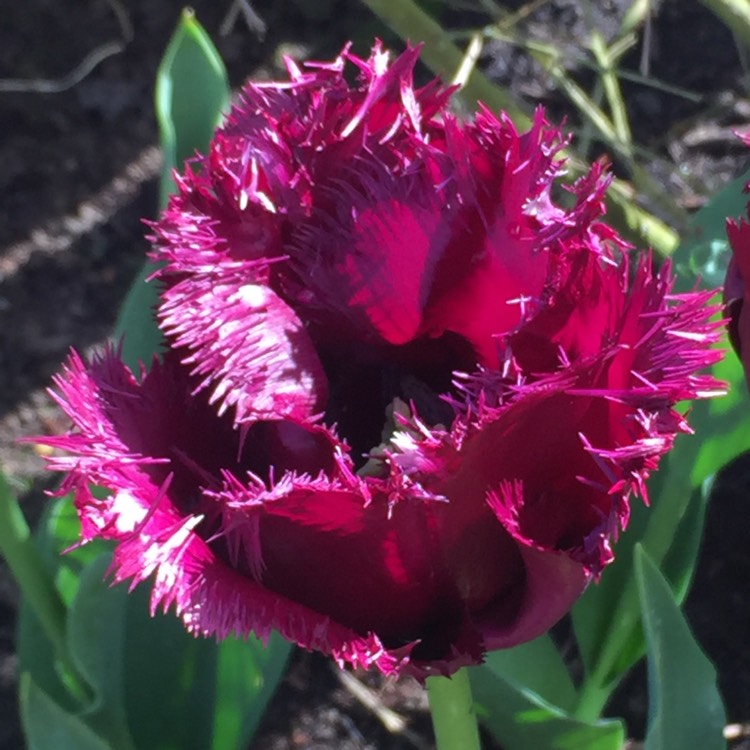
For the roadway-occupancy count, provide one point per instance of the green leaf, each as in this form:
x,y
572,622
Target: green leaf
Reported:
x,y
679,563
248,673
536,667
211,695
136,325
678,567
58,530
722,425
38,590
704,247
37,657
158,651
48,726
191,97
685,707
521,720
592,615
96,627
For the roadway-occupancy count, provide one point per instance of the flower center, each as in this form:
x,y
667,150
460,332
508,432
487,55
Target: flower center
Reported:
x,y
366,381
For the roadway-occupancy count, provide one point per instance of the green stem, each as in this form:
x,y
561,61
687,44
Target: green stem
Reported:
x,y
453,716
608,76
592,698
635,16
35,581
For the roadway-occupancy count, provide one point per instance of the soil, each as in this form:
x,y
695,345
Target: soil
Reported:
x,y
78,173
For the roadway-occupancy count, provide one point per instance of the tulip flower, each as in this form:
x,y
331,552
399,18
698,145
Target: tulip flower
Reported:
x,y
409,384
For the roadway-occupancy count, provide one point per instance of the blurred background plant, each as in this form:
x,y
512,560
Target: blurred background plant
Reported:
x,y
609,69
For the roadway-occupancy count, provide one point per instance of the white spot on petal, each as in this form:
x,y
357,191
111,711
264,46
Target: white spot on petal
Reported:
x,y
127,511
252,295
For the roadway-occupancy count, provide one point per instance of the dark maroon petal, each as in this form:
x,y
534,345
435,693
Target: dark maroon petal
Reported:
x,y
734,303
140,431
389,93
214,599
411,572
552,582
307,535
367,268
160,507
323,125
558,510
496,271
247,346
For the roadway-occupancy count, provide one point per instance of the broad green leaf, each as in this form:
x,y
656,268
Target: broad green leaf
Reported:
x,y
36,657
722,425
191,97
159,652
704,247
48,726
216,692
22,557
247,675
521,720
592,615
685,707
136,325
58,530
678,567
96,629
679,563
537,667
39,593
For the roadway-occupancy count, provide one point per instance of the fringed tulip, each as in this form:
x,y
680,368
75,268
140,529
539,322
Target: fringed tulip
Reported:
x,y
408,389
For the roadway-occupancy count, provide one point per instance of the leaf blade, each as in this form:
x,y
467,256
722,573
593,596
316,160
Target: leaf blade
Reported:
x,y
685,706
47,725
191,96
520,720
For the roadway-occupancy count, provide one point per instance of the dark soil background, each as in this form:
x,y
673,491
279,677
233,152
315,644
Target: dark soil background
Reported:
x,y
78,172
